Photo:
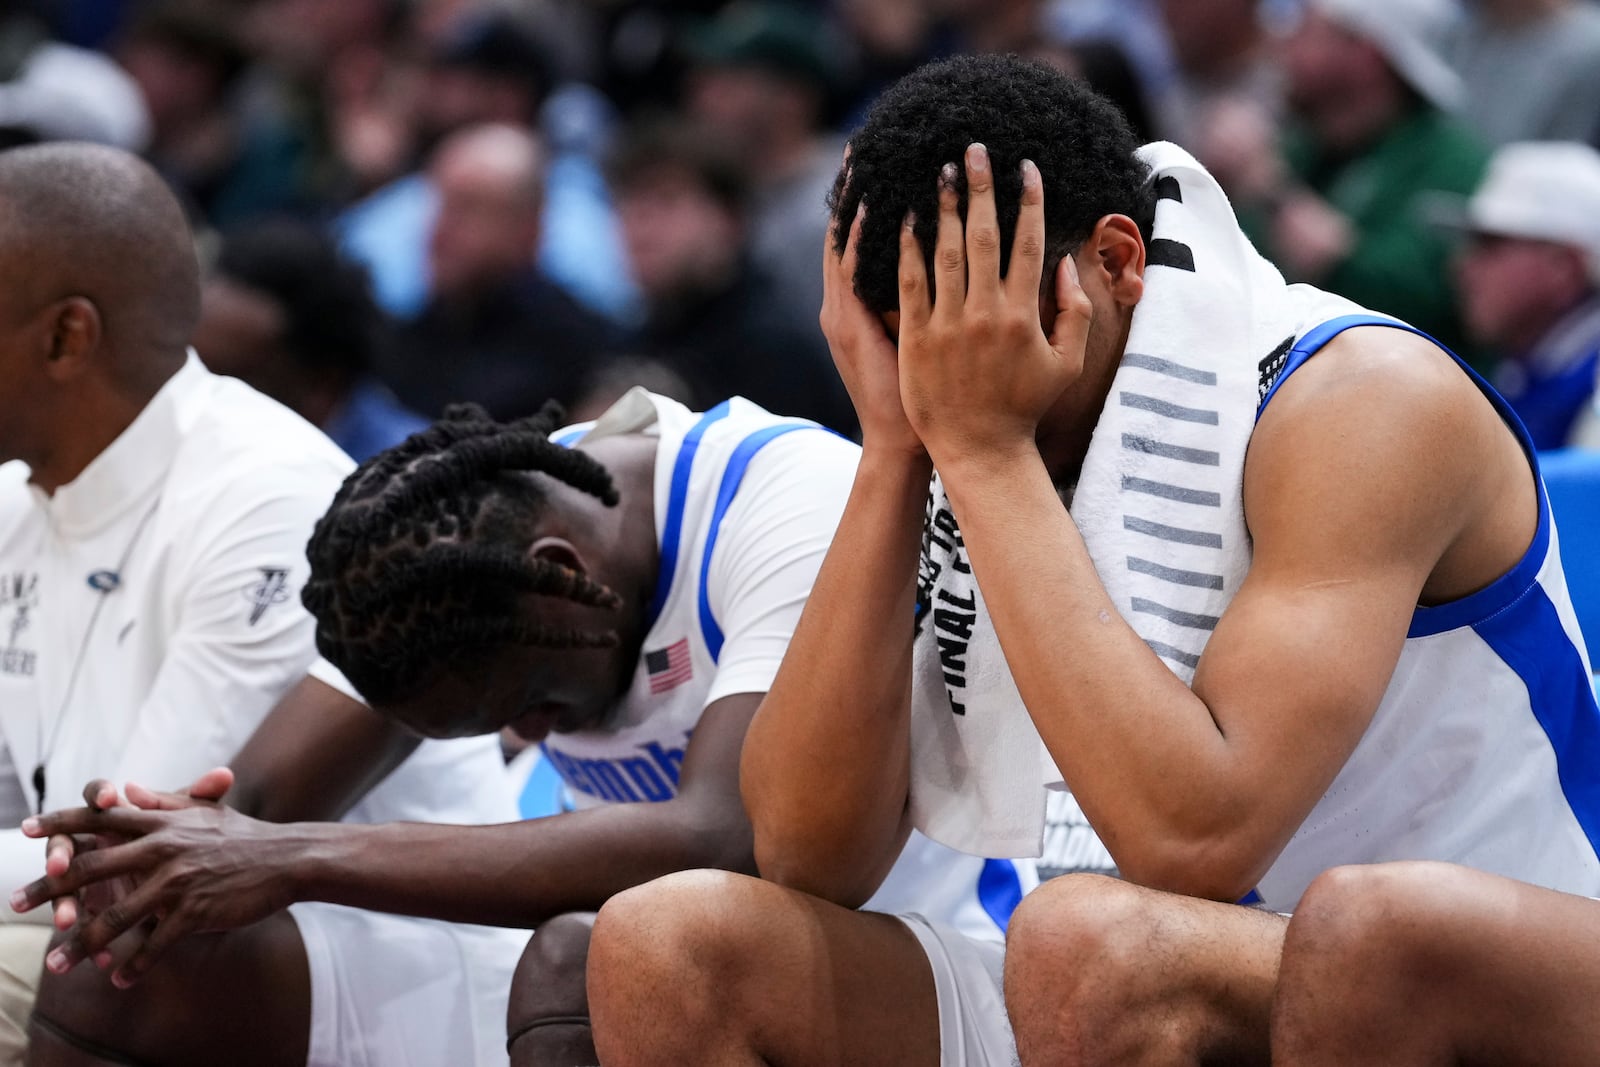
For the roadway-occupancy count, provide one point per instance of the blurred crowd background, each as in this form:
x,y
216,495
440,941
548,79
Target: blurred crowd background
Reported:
x,y
403,203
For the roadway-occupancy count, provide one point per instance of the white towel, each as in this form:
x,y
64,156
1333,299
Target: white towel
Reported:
x,y
1159,503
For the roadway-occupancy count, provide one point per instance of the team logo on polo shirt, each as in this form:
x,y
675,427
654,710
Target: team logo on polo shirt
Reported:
x,y
19,595
273,588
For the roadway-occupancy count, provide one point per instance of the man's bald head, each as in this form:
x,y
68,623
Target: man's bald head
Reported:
x,y
85,223
490,181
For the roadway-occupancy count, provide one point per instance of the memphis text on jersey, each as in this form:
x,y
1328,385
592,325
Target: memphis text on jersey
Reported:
x,y
651,775
19,598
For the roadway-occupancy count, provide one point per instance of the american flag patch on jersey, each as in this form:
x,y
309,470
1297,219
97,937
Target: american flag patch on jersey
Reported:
x,y
669,667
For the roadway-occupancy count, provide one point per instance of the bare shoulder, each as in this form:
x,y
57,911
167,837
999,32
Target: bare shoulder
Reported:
x,y
1384,441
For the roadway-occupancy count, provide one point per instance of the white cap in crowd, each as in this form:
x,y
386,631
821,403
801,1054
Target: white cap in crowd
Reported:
x,y
1545,190
1408,33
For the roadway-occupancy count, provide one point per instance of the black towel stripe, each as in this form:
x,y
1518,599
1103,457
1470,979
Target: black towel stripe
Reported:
x,y
1164,252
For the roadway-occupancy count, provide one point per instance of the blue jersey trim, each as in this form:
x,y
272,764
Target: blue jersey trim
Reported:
x,y
1503,591
677,500
569,437
1534,644
541,793
732,476
999,890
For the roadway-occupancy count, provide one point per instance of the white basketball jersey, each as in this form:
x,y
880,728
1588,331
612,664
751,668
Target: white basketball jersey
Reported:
x,y
705,640
1485,749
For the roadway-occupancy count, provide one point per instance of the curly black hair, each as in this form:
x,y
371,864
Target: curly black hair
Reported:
x,y
1019,110
421,561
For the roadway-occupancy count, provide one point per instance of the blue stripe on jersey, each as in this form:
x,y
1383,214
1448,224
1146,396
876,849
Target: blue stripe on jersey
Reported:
x,y
1533,643
677,500
541,793
1504,591
999,890
567,438
732,476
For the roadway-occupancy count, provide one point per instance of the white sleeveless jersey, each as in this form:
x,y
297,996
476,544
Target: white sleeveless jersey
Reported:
x,y
746,506
1485,749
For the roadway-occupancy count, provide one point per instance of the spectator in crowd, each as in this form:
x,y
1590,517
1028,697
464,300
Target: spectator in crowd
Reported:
x,y
1411,964
1530,281
760,77
186,58
153,516
560,604
490,66
495,330
1222,51
1304,610
51,91
286,315
1342,207
1102,63
715,318
1529,69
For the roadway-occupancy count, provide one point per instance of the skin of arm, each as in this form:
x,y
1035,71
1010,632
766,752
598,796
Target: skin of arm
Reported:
x,y
1362,486
210,868
825,770
315,756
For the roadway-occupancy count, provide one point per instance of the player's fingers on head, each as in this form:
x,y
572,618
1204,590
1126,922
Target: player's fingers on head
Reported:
x,y
852,246
950,248
983,231
1027,249
913,277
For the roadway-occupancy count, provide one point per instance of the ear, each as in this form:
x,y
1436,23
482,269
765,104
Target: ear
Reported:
x,y
1118,247
559,551
72,336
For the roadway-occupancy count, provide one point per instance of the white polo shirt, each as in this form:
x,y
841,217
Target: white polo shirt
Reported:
x,y
150,609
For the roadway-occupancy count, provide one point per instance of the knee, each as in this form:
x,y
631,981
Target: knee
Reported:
x,y
651,933
1073,948
663,957
1070,921
1392,919
549,980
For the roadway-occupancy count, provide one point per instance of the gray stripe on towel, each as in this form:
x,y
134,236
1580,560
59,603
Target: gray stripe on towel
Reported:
x,y
1190,619
1169,368
1174,575
1198,456
1182,494
1169,410
1203,538
1177,655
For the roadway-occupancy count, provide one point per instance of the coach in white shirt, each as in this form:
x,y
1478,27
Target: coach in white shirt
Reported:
x,y
153,516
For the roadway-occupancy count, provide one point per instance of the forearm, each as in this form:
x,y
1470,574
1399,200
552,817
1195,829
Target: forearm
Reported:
x,y
825,767
315,756
1141,752
515,874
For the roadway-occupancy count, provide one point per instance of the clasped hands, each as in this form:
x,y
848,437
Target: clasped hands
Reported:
x,y
974,369
130,880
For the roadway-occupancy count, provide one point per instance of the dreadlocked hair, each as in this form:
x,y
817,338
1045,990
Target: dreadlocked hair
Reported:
x,y
421,560
1020,110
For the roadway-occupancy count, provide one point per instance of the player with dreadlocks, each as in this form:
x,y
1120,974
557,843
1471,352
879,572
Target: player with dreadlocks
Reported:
x,y
622,593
